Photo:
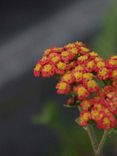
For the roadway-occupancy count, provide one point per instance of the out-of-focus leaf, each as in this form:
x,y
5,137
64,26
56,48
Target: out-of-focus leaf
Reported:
x,y
48,115
112,131
105,42
73,139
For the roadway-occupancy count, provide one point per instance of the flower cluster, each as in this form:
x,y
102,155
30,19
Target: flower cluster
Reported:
x,y
101,108
90,80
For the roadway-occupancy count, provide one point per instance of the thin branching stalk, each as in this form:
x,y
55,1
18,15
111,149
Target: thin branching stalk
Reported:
x,y
101,144
97,147
93,138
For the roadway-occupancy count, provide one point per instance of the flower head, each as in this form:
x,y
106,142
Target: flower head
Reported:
x,y
87,78
48,70
62,87
81,92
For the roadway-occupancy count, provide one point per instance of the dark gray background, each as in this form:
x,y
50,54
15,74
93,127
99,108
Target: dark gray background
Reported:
x,y
28,27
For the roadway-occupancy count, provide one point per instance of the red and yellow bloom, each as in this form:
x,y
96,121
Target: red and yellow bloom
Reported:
x,y
80,72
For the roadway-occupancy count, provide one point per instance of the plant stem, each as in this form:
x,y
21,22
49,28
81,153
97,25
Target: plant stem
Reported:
x,y
101,144
97,147
93,138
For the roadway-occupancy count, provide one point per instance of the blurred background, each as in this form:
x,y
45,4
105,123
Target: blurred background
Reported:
x,y
33,121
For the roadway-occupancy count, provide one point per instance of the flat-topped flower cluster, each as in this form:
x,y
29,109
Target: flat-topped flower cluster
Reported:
x,y
89,80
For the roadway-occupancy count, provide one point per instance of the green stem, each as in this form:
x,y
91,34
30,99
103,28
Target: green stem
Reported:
x,y
97,147
93,138
101,144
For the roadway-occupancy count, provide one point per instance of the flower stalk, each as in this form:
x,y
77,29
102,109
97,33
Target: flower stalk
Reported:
x,y
101,144
97,147
93,138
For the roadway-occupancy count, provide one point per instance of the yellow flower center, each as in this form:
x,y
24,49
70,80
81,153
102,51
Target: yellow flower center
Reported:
x,y
38,67
114,73
85,117
97,59
67,77
62,86
93,53
47,68
55,59
106,121
52,55
91,64
84,49
113,62
99,107
61,66
87,76
91,83
78,75
100,64
86,104
70,45
103,72
79,68
74,51
65,53
81,91
95,113
83,58
114,57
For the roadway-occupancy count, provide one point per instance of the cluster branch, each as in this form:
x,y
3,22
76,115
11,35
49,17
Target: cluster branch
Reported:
x,y
97,147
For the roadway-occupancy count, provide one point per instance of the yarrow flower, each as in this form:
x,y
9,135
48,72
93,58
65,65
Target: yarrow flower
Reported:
x,y
63,88
88,80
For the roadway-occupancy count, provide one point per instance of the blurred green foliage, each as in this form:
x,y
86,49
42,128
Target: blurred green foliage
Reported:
x,y
105,41
73,140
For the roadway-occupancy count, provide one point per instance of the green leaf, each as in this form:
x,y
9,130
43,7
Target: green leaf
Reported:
x,y
48,115
112,131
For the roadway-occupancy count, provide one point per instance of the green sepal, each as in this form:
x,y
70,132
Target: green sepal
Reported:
x,y
69,106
